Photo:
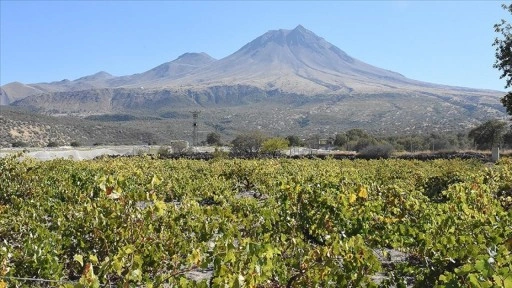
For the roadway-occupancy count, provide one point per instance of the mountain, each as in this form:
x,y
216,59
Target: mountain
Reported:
x,y
183,65
295,61
282,81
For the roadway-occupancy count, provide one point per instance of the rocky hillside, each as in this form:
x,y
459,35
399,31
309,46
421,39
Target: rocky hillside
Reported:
x,y
283,81
21,128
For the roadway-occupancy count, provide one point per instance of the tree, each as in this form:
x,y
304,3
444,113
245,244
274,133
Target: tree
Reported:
x,y
249,142
274,145
213,139
507,139
355,134
179,146
295,141
313,141
489,134
341,139
504,56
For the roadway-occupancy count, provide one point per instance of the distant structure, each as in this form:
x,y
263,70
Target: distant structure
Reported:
x,y
195,116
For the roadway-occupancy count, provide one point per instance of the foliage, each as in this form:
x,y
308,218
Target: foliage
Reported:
x,y
356,134
489,134
220,154
377,151
295,141
504,55
213,138
164,151
313,141
363,143
179,146
141,222
249,142
504,48
274,145
19,144
53,144
75,144
341,139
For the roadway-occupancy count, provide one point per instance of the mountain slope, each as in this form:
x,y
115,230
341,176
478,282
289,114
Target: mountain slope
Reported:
x,y
313,85
171,70
296,61
177,68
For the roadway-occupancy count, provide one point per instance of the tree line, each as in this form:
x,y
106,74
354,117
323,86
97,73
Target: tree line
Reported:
x,y
493,133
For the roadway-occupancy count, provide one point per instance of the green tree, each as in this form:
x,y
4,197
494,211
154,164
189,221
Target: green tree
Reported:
x,y
249,142
489,134
341,139
507,139
356,134
213,138
313,141
294,141
504,56
274,145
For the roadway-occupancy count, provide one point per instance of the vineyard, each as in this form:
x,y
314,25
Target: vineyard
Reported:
x,y
142,222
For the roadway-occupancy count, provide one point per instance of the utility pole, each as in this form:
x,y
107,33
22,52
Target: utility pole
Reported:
x,y
195,116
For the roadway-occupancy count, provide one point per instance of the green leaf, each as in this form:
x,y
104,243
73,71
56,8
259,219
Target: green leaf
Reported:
x,y
480,265
93,259
79,259
473,279
230,256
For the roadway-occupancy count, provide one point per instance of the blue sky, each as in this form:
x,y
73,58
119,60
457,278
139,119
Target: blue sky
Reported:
x,y
439,42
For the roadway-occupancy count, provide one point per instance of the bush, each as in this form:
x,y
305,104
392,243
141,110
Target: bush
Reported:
x,y
248,143
434,186
75,144
220,154
274,145
164,152
52,144
213,139
19,144
179,146
377,151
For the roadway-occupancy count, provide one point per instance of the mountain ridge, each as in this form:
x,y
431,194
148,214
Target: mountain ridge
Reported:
x,y
298,60
294,73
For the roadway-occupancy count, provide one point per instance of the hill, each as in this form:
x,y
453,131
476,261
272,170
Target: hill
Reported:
x,y
283,82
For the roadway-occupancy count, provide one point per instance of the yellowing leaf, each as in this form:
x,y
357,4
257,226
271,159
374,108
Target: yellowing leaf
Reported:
x,y
155,181
93,259
363,193
352,198
160,207
79,259
195,258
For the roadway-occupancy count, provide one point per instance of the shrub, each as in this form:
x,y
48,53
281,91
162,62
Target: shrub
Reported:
x,y
163,152
434,186
75,144
19,144
220,154
274,145
377,151
179,146
53,144
249,142
213,139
